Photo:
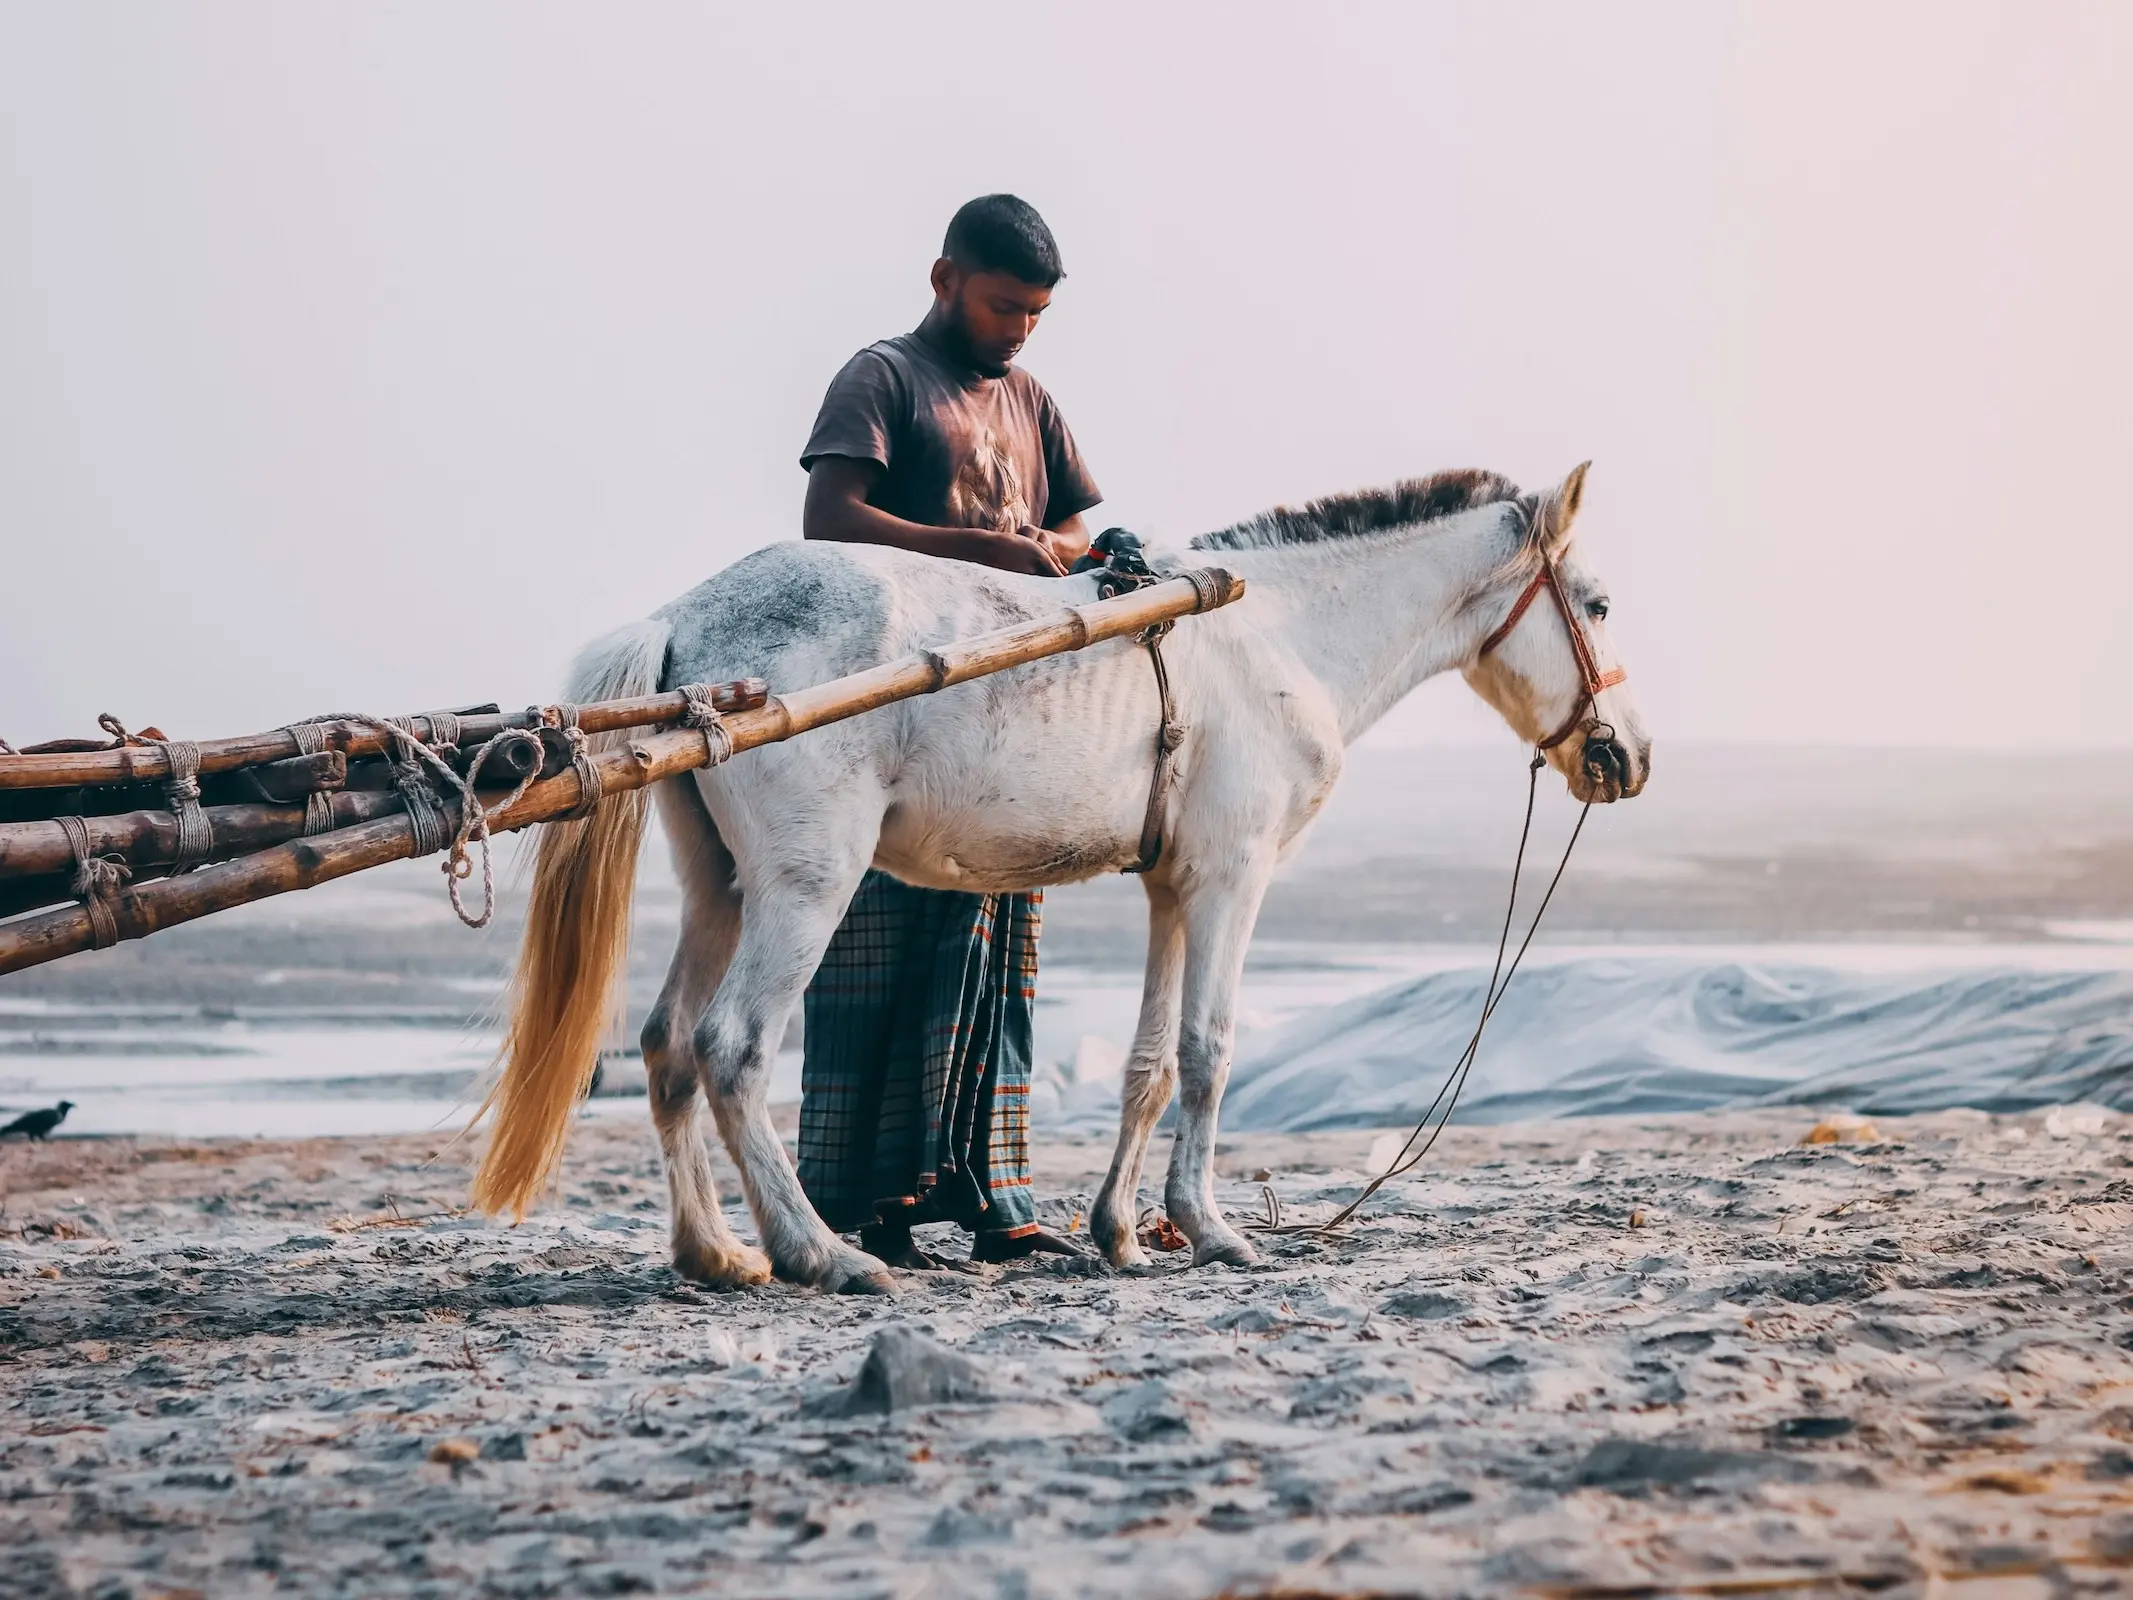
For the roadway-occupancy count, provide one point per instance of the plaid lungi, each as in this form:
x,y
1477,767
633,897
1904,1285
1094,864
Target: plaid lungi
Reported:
x,y
914,1100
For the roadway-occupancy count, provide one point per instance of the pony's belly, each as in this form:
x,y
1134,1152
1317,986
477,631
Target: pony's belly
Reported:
x,y
1000,849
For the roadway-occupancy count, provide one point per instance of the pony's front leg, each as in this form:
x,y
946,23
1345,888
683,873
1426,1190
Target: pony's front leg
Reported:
x,y
1151,1075
786,924
1219,913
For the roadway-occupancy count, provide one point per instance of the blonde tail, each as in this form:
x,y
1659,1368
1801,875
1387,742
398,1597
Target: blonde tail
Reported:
x,y
566,987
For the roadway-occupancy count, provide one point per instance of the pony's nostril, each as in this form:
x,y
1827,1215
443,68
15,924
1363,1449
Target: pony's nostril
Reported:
x,y
1606,763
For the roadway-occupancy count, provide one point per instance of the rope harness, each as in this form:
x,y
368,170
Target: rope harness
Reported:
x,y
1116,559
1169,734
1600,736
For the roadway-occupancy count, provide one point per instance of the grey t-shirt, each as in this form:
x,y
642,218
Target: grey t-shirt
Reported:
x,y
960,450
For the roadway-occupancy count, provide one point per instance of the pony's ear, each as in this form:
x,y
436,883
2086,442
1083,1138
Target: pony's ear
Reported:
x,y
1559,508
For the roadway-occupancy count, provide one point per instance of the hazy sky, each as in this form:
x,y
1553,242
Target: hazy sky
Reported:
x,y
373,357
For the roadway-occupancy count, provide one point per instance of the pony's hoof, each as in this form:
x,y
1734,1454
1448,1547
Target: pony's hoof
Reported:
x,y
1232,1250
742,1268
883,1282
1114,1237
1127,1255
851,1271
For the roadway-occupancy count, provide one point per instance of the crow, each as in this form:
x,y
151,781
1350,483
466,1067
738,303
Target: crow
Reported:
x,y
38,1124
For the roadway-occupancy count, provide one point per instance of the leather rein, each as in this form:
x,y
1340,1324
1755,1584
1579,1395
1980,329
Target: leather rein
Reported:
x,y
1592,680
1438,1115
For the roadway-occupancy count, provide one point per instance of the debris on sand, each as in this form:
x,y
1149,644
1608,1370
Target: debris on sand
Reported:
x,y
905,1370
1843,1128
1158,1232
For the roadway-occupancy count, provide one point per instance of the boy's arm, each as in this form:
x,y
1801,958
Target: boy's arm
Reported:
x,y
837,509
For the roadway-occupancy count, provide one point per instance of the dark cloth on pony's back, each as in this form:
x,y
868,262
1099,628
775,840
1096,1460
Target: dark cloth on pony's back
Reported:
x,y
915,1094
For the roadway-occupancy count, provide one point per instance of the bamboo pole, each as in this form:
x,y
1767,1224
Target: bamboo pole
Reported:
x,y
37,863
140,763
306,863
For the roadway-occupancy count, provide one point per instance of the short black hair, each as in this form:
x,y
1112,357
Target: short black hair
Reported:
x,y
1001,233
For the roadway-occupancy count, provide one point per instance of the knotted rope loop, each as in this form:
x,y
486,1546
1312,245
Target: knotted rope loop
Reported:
x,y
427,815
563,716
318,805
699,713
196,835
425,812
444,729
181,789
98,881
474,825
1169,736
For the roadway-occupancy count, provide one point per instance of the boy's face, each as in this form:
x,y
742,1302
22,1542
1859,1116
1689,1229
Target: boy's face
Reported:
x,y
990,315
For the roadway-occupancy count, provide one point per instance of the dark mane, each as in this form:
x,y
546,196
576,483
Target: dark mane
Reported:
x,y
1345,516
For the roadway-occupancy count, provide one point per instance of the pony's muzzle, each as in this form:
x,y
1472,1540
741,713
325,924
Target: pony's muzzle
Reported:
x,y
1606,763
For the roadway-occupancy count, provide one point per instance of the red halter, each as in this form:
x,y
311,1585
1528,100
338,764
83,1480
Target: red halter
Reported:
x,y
1591,678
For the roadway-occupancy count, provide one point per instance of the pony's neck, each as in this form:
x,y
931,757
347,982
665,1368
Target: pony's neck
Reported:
x,y
1375,615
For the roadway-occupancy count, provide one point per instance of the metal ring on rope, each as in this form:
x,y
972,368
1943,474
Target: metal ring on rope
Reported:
x,y
97,883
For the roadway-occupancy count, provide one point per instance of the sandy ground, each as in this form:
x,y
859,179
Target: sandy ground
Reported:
x,y
1685,1356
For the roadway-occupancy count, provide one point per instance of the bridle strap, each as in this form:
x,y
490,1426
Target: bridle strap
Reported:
x,y
1518,611
1592,681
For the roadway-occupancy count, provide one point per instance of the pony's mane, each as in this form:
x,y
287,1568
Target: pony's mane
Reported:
x,y
1347,516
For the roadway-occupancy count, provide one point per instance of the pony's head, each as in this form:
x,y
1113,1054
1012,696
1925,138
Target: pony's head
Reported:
x,y
1545,662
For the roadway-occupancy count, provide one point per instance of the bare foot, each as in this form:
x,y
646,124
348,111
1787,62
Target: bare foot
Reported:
x,y
994,1246
893,1244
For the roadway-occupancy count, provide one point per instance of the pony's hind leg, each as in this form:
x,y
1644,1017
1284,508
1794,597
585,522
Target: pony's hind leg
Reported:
x,y
1219,914
789,917
705,1248
1151,1076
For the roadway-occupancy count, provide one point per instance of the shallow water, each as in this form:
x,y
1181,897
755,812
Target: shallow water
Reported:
x,y
1823,925
1330,1035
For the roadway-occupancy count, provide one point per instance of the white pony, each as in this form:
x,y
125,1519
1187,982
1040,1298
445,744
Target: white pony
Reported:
x,y
1032,777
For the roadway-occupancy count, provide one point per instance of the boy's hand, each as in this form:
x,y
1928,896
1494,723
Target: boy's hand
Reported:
x,y
1013,552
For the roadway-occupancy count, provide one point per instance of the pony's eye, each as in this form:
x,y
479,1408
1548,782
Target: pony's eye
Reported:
x,y
1596,609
